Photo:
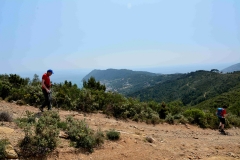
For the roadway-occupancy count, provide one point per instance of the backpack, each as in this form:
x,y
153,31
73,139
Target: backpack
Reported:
x,y
220,112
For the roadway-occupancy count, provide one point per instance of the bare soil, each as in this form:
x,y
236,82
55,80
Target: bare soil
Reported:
x,y
171,142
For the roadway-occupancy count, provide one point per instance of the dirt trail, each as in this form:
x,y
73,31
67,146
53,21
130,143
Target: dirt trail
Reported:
x,y
171,142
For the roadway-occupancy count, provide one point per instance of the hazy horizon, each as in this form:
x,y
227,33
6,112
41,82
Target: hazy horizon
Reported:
x,y
76,75
163,69
168,36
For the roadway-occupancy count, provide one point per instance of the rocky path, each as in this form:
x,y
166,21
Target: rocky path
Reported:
x,y
169,142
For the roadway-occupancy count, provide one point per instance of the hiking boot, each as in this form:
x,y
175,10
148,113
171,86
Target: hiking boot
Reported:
x,y
50,107
223,132
41,109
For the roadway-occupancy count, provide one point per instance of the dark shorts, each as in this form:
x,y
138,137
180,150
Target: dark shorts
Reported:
x,y
221,120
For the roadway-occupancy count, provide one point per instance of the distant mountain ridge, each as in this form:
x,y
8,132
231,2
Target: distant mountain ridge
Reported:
x,y
126,81
110,74
235,67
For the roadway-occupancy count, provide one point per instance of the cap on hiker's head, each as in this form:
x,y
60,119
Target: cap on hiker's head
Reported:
x,y
50,71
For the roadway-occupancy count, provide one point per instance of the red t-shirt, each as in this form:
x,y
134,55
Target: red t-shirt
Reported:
x,y
46,79
224,112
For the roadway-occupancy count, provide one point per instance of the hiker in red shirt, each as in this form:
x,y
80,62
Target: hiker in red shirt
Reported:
x,y
46,84
221,113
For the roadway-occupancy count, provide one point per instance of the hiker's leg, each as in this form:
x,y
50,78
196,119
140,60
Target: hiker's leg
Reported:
x,y
220,123
49,101
222,126
45,98
223,123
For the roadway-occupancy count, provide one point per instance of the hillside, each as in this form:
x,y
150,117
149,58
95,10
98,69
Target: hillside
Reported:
x,y
127,81
112,74
191,88
235,67
231,98
170,142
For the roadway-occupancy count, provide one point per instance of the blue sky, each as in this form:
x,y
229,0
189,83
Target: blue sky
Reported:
x,y
132,34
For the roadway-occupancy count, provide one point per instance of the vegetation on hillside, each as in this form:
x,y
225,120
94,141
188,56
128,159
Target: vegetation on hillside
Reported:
x,y
191,88
93,97
127,81
230,98
112,74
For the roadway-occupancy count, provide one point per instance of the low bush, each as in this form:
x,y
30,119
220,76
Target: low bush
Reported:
x,y
113,134
16,94
29,119
233,120
169,119
62,125
182,120
82,135
6,117
196,116
3,143
211,120
99,137
5,88
33,95
155,119
41,138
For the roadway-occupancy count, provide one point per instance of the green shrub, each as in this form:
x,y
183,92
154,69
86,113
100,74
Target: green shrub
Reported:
x,y
82,135
85,101
147,115
196,116
41,138
233,120
5,88
175,107
113,135
136,118
155,119
235,109
93,84
5,116
62,125
178,116
169,119
86,141
99,137
211,120
33,95
16,94
182,120
30,119
3,143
